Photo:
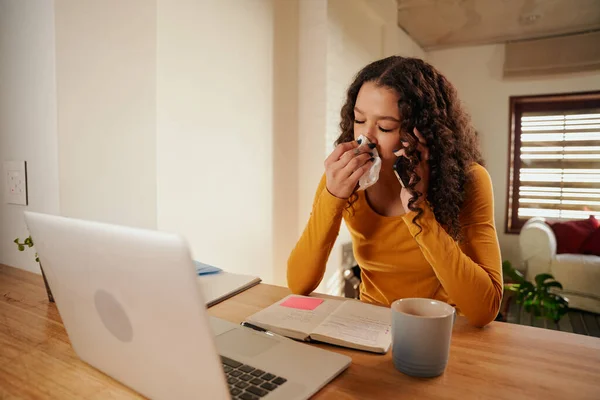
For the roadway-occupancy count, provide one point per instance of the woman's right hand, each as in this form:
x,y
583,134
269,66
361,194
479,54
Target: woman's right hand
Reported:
x,y
344,167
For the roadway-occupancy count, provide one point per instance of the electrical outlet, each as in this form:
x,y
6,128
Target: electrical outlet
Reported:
x,y
15,177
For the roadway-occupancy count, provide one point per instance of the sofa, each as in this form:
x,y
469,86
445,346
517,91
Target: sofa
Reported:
x,y
579,274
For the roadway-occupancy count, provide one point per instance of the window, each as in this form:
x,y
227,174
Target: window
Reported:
x,y
554,158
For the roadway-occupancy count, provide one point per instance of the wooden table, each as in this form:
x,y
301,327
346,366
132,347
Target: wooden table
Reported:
x,y
500,361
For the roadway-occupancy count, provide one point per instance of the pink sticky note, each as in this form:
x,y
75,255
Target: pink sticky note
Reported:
x,y
302,303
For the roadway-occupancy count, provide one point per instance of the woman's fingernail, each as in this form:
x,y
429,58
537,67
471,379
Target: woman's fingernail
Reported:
x,y
395,151
359,141
371,154
372,159
372,145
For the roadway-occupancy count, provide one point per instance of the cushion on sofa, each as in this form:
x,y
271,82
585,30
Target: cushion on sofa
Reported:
x,y
591,245
571,235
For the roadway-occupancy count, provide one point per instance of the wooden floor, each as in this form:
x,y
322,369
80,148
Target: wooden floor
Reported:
x,y
576,321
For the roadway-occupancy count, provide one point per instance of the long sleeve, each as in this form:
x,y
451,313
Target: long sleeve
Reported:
x,y
471,273
306,264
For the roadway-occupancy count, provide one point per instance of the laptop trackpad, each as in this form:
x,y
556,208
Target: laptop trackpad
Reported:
x,y
249,344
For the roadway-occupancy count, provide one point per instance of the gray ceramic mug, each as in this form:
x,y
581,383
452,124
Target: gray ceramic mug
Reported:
x,y
421,334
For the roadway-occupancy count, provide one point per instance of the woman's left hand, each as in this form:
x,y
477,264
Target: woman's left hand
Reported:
x,y
422,170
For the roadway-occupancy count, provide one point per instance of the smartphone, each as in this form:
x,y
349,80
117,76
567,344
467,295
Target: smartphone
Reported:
x,y
401,170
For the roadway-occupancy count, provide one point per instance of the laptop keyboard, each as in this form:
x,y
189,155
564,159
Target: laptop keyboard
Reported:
x,y
249,383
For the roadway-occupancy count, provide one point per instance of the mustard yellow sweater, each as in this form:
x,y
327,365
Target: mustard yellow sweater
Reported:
x,y
398,262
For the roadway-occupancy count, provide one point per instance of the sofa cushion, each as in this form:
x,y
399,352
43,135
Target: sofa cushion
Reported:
x,y
571,235
591,245
578,273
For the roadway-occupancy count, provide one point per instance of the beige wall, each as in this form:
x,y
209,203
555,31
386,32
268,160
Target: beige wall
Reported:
x,y
129,85
285,134
106,97
477,74
355,38
395,40
27,117
312,103
215,130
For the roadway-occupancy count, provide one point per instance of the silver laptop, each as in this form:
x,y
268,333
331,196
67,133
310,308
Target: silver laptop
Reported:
x,y
133,309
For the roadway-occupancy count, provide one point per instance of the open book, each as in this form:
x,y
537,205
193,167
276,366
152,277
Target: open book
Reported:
x,y
347,323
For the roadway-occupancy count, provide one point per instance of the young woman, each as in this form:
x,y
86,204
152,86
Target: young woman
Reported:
x,y
434,238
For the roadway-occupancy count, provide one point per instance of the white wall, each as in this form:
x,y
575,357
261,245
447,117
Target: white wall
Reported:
x,y
395,40
165,122
359,32
260,102
27,116
285,134
106,96
477,74
215,130
312,103
355,38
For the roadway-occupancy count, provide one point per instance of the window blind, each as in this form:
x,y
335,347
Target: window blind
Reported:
x,y
559,168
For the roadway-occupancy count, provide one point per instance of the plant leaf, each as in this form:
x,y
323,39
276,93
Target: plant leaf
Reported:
x,y
541,278
512,287
515,275
527,287
554,284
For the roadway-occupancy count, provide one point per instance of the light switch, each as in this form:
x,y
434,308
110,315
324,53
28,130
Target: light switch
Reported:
x,y
15,177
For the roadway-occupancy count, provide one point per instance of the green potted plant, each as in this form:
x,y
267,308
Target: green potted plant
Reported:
x,y
28,242
538,298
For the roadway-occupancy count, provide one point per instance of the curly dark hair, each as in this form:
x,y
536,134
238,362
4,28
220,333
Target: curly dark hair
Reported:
x,y
430,103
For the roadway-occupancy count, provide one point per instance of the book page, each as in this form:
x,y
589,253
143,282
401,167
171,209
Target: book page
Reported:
x,y
363,324
294,313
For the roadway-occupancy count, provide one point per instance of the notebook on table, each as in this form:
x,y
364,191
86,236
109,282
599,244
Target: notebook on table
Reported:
x,y
220,286
347,323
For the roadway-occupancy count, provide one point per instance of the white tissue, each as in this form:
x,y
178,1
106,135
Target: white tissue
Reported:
x,y
372,175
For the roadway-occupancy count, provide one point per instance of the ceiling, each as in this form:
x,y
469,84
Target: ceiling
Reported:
x,y
436,24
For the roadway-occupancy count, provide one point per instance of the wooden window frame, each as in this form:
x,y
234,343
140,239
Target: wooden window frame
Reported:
x,y
536,103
